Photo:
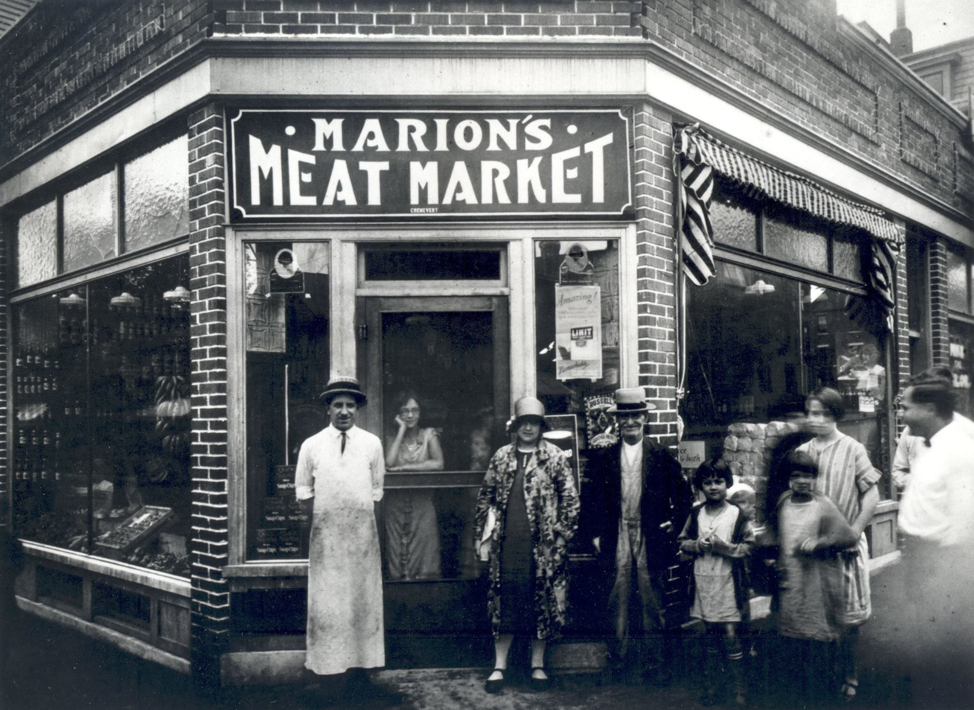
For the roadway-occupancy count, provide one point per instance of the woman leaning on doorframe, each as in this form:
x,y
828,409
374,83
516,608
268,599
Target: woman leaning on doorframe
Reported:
x,y
527,511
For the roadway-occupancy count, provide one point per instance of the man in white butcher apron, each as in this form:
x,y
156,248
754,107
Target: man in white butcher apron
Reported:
x,y
339,476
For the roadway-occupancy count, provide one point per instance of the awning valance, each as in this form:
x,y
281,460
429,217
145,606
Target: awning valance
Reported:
x,y
763,180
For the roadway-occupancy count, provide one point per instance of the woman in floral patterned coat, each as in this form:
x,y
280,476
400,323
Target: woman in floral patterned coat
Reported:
x,y
527,511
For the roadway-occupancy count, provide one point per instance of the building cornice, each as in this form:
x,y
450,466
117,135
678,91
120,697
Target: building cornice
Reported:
x,y
219,85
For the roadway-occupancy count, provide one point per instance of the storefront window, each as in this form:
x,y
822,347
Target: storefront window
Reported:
x,y
89,223
846,251
102,421
37,245
756,339
287,291
962,365
734,224
156,195
577,320
958,281
789,236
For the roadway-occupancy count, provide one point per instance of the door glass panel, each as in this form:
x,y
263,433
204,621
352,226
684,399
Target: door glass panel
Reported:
x,y
438,391
432,264
287,368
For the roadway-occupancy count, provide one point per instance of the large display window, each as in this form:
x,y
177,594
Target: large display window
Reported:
x,y
776,323
287,328
102,417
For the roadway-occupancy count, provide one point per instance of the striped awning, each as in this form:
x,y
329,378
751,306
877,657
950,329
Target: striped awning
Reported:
x,y
697,155
769,182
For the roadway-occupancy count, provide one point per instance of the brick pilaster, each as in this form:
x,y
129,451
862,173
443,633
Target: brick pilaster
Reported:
x,y
901,357
210,613
655,291
939,328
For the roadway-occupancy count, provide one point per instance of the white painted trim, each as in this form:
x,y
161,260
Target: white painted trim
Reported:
x,y
696,102
111,568
106,635
236,398
344,339
521,316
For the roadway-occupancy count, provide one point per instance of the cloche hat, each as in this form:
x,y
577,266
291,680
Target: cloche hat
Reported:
x,y
630,399
526,407
343,385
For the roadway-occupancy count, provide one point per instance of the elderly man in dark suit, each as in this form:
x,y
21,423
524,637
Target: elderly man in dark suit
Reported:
x,y
640,501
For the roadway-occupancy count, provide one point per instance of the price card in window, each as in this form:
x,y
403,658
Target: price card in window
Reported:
x,y
578,332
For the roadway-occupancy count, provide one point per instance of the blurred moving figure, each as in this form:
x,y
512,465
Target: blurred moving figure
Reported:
x,y
848,479
937,519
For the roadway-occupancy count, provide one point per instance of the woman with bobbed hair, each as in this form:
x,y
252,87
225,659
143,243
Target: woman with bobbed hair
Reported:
x,y
848,479
412,531
527,511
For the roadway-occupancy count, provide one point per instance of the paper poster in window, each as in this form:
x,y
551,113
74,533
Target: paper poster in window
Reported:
x,y
578,332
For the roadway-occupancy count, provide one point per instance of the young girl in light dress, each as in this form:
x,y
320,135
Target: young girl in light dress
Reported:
x,y
719,538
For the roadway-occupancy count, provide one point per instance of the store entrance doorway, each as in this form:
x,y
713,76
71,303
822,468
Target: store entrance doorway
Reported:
x,y
440,365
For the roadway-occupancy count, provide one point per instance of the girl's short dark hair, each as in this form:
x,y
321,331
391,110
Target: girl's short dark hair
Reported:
x,y
798,461
716,468
830,400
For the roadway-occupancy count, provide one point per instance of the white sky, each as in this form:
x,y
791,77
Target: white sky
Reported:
x,y
933,22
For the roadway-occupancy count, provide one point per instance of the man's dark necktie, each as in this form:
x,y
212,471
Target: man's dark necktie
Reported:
x,y
344,439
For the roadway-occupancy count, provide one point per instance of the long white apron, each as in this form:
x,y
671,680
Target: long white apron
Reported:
x,y
345,612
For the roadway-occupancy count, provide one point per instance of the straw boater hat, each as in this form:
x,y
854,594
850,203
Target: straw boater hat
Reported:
x,y
526,407
343,385
629,400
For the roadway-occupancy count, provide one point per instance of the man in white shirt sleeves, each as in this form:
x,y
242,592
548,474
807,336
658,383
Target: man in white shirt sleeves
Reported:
x,y
936,517
339,478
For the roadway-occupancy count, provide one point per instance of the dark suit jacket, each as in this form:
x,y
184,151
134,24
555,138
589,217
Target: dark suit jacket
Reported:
x,y
666,498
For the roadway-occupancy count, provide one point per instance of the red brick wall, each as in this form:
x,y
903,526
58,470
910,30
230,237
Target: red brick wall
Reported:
x,y
210,611
653,189
429,18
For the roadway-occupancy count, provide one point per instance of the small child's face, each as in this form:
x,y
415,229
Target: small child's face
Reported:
x,y
479,449
745,501
801,483
714,488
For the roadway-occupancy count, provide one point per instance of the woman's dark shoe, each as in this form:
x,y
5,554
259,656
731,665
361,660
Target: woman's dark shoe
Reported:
x,y
495,682
540,681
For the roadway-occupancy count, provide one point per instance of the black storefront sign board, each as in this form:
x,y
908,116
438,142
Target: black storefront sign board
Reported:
x,y
331,165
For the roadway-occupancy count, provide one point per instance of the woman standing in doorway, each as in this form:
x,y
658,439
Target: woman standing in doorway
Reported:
x,y
848,479
412,533
527,511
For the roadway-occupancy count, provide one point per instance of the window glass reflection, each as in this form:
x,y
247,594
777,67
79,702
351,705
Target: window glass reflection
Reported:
x,y
756,340
89,223
37,245
287,327
958,296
